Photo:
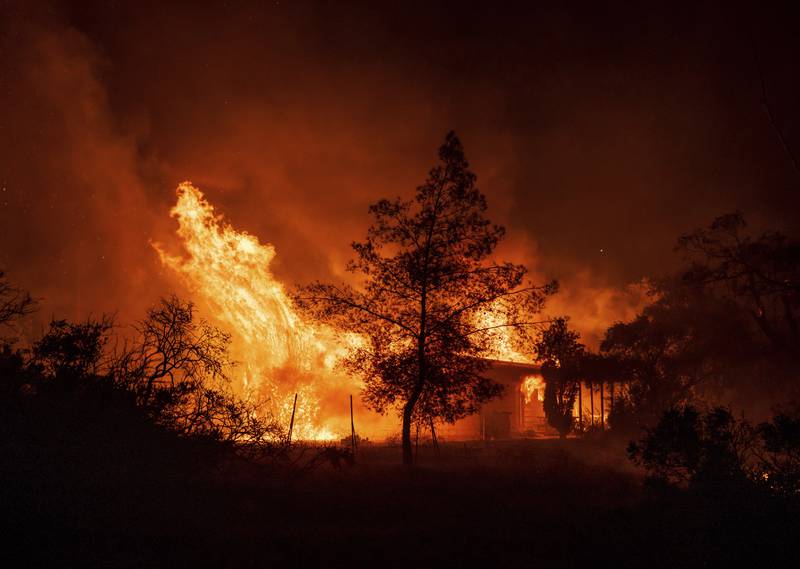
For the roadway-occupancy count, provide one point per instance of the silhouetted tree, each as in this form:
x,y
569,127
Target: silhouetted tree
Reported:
x,y
15,376
173,370
70,352
454,386
559,352
762,275
687,448
780,454
428,285
719,455
728,318
686,343
14,371
176,366
173,351
14,303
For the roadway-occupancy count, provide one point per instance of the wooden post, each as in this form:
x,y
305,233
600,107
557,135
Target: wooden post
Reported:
x,y
434,440
291,421
352,429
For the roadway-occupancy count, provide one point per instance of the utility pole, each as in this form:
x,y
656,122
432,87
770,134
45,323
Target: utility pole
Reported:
x,y
352,429
291,422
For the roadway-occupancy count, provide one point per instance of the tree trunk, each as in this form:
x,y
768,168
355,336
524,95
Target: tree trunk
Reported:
x,y
580,406
591,401
408,451
602,405
408,410
416,440
408,413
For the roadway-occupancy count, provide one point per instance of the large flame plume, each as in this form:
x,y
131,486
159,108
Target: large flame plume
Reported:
x,y
279,354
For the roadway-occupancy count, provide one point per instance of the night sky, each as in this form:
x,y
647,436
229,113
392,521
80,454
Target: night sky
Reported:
x,y
599,134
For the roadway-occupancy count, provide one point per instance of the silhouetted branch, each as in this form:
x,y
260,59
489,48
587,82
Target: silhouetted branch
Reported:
x,y
768,108
14,303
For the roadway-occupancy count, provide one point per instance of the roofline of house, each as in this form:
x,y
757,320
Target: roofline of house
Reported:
x,y
514,364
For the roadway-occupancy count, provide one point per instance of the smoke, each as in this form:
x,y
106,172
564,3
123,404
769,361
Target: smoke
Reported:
x,y
74,219
589,131
592,308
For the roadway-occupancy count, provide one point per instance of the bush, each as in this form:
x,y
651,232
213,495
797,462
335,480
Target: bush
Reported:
x,y
623,418
780,454
716,452
688,448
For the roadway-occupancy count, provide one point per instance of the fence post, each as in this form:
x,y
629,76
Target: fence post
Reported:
x,y
291,421
352,429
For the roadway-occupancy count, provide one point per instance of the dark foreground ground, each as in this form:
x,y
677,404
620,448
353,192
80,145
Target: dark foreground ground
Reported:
x,y
545,503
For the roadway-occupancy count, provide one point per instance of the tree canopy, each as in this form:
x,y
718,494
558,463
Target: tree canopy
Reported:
x,y
761,274
722,327
429,298
560,353
14,302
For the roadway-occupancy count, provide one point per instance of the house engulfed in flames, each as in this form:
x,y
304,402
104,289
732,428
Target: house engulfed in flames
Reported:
x,y
517,412
281,356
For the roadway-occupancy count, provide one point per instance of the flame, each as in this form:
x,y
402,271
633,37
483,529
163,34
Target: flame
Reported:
x,y
501,343
228,272
532,385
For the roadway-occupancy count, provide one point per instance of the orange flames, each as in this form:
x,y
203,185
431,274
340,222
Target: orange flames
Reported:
x,y
532,385
279,354
501,343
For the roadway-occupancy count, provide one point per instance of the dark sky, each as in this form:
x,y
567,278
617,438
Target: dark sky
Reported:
x,y
598,133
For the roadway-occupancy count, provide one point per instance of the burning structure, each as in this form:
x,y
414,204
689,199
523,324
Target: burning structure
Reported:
x,y
517,412
279,354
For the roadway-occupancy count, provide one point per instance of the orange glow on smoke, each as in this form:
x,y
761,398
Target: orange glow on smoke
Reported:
x,y
278,354
532,385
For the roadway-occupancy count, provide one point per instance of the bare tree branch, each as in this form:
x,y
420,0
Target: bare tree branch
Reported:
x,y
768,109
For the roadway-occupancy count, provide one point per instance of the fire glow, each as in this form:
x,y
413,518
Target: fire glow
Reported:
x,y
532,385
278,354
501,344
